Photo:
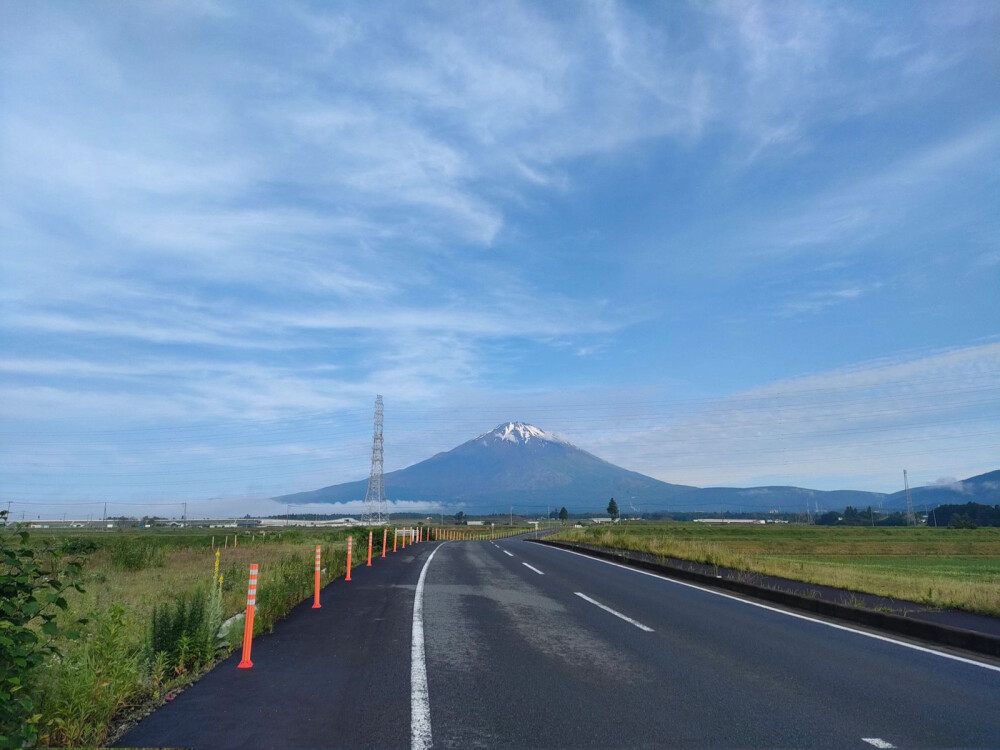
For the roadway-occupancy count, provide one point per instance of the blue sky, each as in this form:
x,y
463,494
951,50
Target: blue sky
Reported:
x,y
719,243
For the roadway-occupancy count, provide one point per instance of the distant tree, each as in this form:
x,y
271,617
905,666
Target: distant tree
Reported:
x,y
563,513
975,513
893,519
962,521
554,514
613,509
459,516
830,518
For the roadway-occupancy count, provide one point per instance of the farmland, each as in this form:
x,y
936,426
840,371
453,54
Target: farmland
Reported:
x,y
948,568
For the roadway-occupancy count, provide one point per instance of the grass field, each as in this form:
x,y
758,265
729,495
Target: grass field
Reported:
x,y
948,568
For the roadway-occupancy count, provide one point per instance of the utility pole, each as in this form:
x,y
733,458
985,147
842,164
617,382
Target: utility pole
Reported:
x,y
286,514
512,516
184,517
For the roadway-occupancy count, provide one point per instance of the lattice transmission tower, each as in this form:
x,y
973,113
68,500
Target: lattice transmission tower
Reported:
x,y
376,512
911,518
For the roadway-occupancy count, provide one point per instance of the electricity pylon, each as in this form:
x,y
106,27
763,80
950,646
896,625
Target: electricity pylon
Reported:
x,y
376,512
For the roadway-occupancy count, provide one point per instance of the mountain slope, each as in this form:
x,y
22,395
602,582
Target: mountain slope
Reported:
x,y
514,464
982,488
519,465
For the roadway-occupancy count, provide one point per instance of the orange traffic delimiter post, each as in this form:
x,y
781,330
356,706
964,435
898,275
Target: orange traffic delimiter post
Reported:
x,y
350,548
316,604
385,538
369,550
245,662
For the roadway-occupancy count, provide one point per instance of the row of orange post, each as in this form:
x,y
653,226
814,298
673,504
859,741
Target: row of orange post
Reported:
x,y
415,535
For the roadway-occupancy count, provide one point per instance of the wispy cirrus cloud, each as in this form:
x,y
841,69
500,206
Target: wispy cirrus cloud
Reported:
x,y
210,214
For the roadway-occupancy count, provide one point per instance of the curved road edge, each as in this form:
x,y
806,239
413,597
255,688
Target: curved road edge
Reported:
x,y
966,640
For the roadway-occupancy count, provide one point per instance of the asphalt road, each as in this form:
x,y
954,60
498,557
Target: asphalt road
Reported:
x,y
569,652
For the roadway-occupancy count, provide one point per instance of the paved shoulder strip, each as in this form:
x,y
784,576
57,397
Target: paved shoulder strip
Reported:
x,y
420,705
616,613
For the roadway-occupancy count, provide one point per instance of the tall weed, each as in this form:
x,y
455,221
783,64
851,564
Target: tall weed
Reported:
x,y
84,690
185,634
129,554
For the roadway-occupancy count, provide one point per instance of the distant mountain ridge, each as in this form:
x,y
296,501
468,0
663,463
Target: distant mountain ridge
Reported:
x,y
518,464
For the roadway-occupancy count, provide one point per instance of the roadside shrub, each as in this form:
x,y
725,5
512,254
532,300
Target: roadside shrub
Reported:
x,y
32,584
184,635
79,546
83,691
128,554
283,584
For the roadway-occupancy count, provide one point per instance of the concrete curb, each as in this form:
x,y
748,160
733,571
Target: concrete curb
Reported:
x,y
969,640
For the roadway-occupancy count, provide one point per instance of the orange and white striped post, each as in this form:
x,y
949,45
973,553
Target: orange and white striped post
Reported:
x,y
316,604
420,534
404,538
385,538
395,538
369,550
245,662
350,548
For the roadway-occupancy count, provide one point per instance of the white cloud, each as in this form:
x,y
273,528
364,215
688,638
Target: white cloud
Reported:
x,y
926,411
185,207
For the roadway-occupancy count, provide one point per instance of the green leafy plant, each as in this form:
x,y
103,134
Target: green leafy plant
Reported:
x,y
32,587
90,683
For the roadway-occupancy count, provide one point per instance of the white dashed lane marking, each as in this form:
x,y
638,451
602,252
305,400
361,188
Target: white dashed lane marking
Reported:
x,y
606,608
532,567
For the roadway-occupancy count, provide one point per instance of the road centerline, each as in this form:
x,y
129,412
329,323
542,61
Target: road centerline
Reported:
x,y
507,553
616,613
532,567
877,742
420,706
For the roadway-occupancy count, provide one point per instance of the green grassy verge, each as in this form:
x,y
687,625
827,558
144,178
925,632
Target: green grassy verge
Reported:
x,y
948,568
118,666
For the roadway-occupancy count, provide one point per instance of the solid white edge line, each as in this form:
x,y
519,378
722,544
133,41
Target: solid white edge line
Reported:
x,y
532,567
796,615
877,742
507,553
420,704
615,612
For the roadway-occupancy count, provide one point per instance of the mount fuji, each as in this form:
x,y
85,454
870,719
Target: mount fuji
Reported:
x,y
513,464
518,464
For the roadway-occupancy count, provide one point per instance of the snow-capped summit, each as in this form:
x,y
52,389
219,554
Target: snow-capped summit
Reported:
x,y
516,432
